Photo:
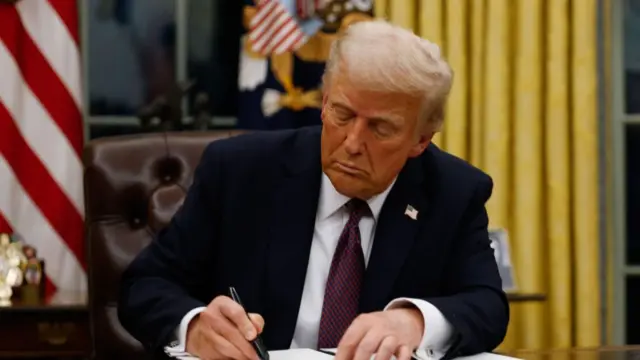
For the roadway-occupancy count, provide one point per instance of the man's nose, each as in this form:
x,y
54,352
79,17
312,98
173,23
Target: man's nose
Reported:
x,y
355,136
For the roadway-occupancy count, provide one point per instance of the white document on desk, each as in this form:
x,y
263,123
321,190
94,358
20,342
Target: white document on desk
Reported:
x,y
298,354
308,354
423,356
291,354
487,356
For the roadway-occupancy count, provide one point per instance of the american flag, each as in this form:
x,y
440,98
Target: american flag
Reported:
x,y
273,30
41,135
411,212
307,8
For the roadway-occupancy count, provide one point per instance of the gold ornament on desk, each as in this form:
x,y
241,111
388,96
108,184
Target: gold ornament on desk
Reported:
x,y
13,263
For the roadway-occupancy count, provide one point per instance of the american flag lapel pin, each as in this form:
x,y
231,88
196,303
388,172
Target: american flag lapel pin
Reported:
x,y
411,212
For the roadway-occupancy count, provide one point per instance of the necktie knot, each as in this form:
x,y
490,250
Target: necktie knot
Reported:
x,y
357,209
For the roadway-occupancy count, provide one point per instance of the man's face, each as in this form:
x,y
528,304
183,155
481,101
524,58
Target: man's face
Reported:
x,y
367,137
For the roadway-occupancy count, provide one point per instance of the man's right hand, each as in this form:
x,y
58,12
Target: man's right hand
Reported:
x,y
223,331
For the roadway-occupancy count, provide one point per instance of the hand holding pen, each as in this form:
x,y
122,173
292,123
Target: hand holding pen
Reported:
x,y
224,331
257,343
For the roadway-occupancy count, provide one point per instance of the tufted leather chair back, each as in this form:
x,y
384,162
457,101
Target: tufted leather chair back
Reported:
x,y
133,186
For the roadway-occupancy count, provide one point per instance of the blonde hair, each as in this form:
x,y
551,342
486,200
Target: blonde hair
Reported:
x,y
387,58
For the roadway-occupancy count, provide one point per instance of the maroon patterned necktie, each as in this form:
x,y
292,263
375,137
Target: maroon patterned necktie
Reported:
x,y
342,292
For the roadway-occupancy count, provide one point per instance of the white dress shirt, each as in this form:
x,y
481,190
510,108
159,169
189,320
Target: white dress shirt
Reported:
x,y
331,217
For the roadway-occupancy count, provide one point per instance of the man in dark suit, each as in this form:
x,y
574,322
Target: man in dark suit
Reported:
x,y
358,235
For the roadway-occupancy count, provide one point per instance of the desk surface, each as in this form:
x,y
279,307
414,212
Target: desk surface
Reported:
x,y
61,300
631,352
600,353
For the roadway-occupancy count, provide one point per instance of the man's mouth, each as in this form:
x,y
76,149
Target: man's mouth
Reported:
x,y
348,168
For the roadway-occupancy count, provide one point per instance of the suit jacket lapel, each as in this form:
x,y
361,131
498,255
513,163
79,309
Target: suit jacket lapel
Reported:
x,y
291,232
394,236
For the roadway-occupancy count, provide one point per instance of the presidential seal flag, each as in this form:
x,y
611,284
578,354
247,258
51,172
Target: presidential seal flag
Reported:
x,y
283,53
41,135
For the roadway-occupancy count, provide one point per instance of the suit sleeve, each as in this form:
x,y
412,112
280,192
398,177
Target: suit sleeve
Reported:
x,y
477,306
169,277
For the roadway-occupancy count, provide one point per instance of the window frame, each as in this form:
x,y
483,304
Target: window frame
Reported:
x,y
182,38
620,119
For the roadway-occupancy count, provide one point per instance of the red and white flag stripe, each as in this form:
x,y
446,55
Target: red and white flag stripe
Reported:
x,y
41,134
273,30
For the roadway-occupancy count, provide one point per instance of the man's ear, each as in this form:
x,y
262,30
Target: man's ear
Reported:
x,y
324,104
424,140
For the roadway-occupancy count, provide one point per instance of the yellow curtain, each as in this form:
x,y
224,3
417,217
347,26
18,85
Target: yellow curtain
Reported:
x,y
523,108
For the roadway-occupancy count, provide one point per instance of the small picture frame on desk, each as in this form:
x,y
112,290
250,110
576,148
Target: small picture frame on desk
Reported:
x,y
32,286
500,244
33,289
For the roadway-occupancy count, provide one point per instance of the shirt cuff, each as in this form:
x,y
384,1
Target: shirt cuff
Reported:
x,y
438,332
180,344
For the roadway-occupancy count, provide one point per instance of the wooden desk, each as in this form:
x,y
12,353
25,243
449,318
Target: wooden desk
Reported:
x,y
598,353
51,328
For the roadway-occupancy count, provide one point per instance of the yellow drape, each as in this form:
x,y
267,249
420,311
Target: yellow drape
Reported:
x,y
523,108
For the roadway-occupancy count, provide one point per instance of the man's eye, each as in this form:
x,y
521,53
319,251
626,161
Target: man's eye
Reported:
x,y
384,129
343,115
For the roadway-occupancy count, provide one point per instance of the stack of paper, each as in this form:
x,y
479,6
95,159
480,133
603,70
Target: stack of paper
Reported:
x,y
291,354
487,356
424,356
308,354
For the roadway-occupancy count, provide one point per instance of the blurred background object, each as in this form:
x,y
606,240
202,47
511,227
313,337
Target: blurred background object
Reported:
x,y
138,65
279,76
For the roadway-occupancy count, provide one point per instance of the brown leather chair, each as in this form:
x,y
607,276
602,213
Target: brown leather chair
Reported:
x,y
133,186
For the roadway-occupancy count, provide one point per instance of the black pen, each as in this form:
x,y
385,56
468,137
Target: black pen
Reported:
x,y
333,353
328,352
257,343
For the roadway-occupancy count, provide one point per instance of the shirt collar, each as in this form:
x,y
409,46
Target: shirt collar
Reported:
x,y
331,200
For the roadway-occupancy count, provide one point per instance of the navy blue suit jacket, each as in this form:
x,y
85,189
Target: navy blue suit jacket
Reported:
x,y
248,220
